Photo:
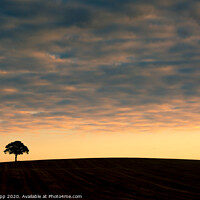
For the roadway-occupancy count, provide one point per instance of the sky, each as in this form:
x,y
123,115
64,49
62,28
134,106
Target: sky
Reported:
x,y
100,78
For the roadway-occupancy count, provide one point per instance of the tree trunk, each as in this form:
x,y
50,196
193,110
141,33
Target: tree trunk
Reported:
x,y
15,157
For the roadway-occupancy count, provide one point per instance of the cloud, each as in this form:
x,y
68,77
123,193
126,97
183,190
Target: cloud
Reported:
x,y
96,65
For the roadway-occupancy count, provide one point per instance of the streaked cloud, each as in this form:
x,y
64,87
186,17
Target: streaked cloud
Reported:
x,y
99,66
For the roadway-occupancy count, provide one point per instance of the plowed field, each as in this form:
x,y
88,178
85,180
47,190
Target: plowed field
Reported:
x,y
101,179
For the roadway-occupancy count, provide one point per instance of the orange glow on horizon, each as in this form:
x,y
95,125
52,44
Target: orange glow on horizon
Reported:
x,y
181,145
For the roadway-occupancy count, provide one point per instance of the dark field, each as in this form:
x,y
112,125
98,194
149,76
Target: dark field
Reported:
x,y
101,179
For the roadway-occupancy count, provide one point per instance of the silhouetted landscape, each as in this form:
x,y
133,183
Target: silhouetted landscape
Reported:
x,y
100,78
104,178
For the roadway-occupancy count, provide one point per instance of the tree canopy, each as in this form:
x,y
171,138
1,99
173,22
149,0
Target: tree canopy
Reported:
x,y
16,148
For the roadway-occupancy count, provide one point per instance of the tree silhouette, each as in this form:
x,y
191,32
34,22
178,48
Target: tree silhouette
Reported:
x,y
16,148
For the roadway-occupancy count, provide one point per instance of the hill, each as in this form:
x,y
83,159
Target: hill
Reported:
x,y
103,178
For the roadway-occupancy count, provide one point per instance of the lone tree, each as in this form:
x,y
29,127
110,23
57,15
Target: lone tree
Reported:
x,y
16,148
